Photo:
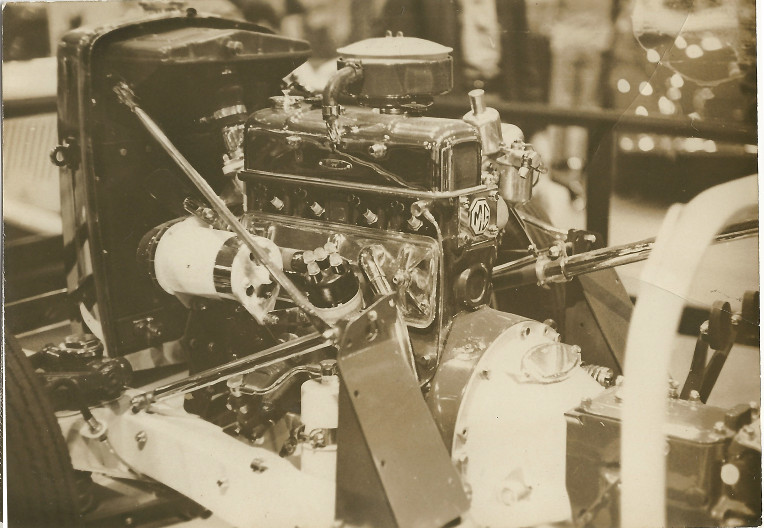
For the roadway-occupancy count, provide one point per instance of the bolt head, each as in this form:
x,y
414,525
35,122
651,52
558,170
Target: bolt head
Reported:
x,y
294,141
378,150
427,361
749,431
234,46
141,438
258,465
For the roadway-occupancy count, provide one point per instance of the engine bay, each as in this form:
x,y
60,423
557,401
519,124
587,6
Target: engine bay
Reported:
x,y
371,313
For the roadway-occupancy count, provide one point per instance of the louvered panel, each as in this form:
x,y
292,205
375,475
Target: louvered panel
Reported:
x,y
28,175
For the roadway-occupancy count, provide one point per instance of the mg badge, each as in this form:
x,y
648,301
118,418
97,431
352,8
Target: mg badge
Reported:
x,y
480,215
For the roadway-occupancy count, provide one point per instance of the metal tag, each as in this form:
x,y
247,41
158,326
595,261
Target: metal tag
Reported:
x,y
480,216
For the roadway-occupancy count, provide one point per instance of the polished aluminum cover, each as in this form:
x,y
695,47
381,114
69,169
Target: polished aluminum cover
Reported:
x,y
400,68
422,153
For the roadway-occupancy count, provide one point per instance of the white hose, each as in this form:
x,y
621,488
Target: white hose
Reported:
x,y
681,243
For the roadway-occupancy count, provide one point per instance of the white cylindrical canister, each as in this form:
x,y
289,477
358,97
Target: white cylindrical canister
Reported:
x,y
185,258
191,258
320,412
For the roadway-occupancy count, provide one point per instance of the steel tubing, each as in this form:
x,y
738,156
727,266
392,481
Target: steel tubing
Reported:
x,y
276,354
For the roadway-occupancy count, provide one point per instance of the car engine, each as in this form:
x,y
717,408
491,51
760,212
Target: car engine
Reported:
x,y
371,311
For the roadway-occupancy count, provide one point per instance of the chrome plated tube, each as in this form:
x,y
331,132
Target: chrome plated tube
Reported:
x,y
599,259
373,273
503,269
635,252
295,348
511,274
127,97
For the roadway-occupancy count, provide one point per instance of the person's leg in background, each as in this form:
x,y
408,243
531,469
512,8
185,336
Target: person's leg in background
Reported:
x,y
561,94
586,97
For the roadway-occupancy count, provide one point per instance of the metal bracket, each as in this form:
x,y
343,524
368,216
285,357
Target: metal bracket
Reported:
x,y
392,466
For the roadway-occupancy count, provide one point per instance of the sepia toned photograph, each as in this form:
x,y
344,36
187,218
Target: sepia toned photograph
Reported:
x,y
380,263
